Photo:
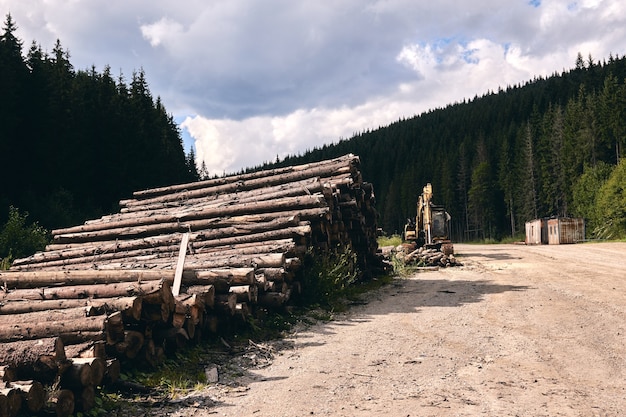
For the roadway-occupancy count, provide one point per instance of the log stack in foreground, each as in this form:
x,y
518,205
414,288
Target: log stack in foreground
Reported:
x,y
175,263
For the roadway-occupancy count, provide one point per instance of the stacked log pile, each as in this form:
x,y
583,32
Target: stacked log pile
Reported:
x,y
426,257
173,264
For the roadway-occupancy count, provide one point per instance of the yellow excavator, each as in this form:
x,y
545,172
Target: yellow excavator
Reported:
x,y
431,226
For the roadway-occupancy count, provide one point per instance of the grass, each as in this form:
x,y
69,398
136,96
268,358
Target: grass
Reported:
x,y
393,240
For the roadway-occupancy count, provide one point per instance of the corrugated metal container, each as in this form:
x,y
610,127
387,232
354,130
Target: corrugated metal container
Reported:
x,y
536,232
566,230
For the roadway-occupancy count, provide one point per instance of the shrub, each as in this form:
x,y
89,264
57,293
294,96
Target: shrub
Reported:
x,y
19,239
328,275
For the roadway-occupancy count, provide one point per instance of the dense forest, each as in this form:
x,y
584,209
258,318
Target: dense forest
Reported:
x,y
74,142
550,147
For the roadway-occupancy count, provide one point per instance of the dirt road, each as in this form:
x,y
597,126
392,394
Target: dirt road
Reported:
x,y
517,331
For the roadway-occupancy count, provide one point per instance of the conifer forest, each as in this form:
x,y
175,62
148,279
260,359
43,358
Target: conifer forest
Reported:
x,y
553,146
74,142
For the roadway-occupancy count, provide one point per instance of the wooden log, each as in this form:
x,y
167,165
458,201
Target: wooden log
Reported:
x,y
35,279
81,336
340,167
60,402
206,294
85,398
279,229
4,405
129,305
33,394
30,331
13,401
42,355
78,375
97,366
272,260
273,299
197,221
91,349
7,373
50,315
226,303
115,328
347,159
245,293
85,291
179,209
286,233
274,274
113,370
131,345
308,186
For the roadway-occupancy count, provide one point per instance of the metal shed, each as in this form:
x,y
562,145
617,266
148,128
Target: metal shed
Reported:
x,y
537,232
566,230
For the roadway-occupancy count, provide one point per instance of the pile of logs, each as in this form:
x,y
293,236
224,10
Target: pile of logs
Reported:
x,y
173,264
427,257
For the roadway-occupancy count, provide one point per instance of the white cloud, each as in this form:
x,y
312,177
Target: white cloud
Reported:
x,y
253,80
160,31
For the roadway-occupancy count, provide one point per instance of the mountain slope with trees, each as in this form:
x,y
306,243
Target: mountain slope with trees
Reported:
x,y
73,143
549,147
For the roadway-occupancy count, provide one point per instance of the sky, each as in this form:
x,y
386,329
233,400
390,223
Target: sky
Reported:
x,y
252,80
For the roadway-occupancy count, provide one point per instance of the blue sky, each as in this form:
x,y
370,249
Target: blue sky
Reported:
x,y
249,80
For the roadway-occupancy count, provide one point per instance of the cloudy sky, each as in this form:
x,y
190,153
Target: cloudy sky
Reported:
x,y
250,80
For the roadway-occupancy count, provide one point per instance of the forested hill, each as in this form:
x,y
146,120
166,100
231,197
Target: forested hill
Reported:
x,y
73,143
548,147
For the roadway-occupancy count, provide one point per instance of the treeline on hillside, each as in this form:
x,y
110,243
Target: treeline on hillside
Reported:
x,y
73,143
547,148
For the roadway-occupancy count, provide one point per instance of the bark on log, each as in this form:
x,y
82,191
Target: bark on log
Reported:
x,y
31,331
114,328
7,373
197,221
346,159
245,293
81,336
78,375
85,291
35,279
50,315
206,293
92,349
60,402
273,299
33,394
113,370
226,303
304,187
341,167
295,233
97,366
131,344
42,354
282,229
13,401
85,398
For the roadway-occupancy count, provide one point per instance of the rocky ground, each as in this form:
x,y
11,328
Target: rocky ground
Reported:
x,y
517,331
